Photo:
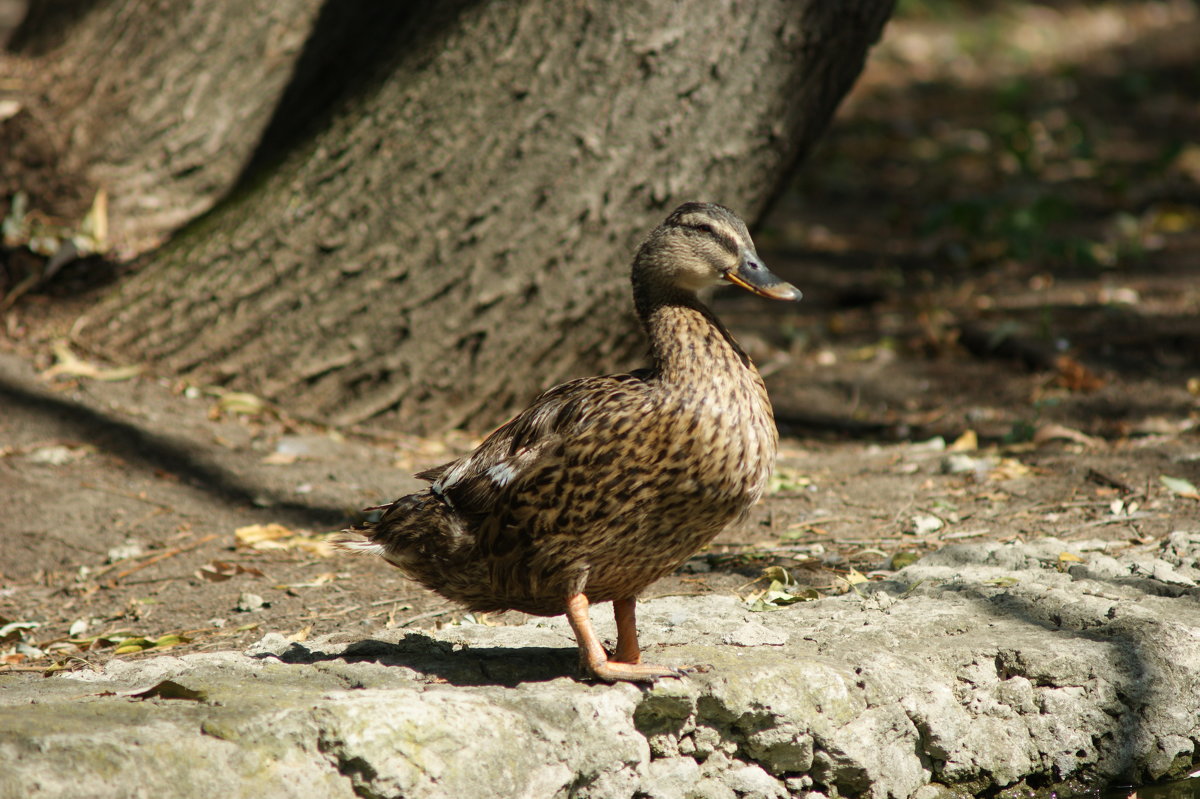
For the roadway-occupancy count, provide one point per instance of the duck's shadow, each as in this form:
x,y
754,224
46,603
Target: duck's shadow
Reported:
x,y
442,661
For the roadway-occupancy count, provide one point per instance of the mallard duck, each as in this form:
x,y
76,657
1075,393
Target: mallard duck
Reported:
x,y
605,484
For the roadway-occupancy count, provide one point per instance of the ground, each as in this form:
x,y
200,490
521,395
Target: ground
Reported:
x,y
998,243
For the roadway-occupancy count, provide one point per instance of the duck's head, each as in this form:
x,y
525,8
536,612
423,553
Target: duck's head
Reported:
x,y
702,245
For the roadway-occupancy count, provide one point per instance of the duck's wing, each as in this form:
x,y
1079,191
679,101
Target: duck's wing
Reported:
x,y
481,483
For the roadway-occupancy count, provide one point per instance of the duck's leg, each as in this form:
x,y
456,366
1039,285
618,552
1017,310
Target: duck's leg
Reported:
x,y
624,611
626,665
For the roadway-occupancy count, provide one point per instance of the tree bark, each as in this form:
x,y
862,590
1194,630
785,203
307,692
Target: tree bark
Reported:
x,y
159,102
458,236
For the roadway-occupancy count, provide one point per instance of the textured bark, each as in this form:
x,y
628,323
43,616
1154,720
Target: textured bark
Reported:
x,y
458,237
159,102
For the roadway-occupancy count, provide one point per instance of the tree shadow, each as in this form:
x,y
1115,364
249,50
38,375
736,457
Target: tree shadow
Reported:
x,y
136,445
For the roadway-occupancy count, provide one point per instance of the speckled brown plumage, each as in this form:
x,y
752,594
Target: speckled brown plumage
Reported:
x,y
605,484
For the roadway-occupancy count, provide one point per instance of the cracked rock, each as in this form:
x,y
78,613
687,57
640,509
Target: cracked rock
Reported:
x,y
991,667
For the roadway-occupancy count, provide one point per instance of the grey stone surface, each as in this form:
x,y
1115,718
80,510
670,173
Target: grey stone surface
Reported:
x,y
978,668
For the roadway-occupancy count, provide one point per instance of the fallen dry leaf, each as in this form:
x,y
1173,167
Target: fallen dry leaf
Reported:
x,y
168,689
1010,469
14,630
1065,559
854,577
1057,432
218,571
71,365
967,442
127,643
276,536
254,534
1074,376
1179,486
1161,426
1172,218
240,403
300,635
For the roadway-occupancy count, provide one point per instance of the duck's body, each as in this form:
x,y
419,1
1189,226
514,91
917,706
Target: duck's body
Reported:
x,y
623,476
605,484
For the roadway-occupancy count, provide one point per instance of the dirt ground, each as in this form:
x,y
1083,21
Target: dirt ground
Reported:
x,y
1000,338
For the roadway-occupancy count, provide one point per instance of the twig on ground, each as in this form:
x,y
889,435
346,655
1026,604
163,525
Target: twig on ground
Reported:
x,y
965,534
1111,520
127,495
383,602
170,553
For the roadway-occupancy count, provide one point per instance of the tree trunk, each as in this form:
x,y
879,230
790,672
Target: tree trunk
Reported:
x,y
159,102
458,236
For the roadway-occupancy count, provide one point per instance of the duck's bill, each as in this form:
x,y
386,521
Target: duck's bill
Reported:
x,y
761,281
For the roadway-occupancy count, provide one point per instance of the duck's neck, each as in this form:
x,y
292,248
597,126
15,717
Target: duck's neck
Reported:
x,y
687,341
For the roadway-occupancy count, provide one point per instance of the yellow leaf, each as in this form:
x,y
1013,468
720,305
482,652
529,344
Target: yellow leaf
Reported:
x,y
1009,469
71,365
276,536
300,635
130,645
171,639
967,442
1188,161
93,230
1173,219
254,534
777,574
1069,556
240,402
854,576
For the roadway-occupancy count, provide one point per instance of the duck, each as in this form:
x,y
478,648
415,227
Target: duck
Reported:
x,y
605,484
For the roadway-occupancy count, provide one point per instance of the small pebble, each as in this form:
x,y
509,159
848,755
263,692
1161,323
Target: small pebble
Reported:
x,y
132,548
55,455
248,603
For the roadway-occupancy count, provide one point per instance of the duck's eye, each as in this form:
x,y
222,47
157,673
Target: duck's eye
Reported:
x,y
704,227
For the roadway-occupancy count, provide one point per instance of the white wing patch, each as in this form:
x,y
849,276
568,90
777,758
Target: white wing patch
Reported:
x,y
451,476
502,474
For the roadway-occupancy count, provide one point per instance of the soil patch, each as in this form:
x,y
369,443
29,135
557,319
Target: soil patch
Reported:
x,y
1000,339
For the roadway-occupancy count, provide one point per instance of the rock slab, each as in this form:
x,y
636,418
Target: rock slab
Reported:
x,y
979,669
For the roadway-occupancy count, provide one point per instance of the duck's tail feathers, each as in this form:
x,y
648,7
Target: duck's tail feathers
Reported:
x,y
353,541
